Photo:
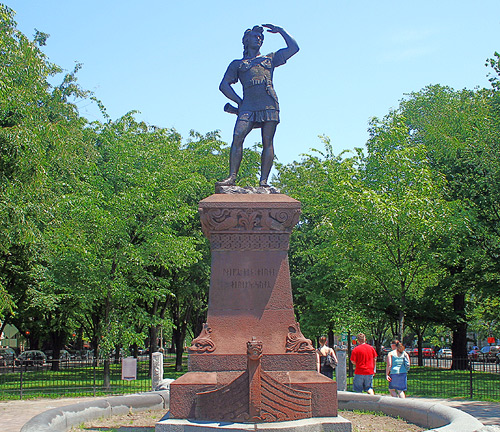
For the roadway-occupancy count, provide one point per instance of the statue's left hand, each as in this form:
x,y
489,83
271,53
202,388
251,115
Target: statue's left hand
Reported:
x,y
272,28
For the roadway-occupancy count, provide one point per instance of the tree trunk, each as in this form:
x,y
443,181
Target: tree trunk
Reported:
x,y
419,347
330,338
153,345
178,337
180,318
107,374
117,353
459,344
79,339
57,339
135,350
401,325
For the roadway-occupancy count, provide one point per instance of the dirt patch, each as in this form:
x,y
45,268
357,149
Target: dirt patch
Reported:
x,y
145,422
364,422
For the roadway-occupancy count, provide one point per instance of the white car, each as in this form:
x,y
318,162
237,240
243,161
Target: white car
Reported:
x,y
444,353
32,358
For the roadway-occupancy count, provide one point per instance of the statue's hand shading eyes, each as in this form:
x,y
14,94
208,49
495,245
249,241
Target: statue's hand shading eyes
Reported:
x,y
272,28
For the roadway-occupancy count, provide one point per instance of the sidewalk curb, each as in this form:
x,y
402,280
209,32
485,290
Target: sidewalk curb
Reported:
x,y
61,419
425,414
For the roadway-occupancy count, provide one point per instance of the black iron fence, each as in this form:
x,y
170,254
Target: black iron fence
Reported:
x,y
480,380
71,378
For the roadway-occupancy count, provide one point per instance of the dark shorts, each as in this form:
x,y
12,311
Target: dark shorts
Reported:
x,y
362,383
398,382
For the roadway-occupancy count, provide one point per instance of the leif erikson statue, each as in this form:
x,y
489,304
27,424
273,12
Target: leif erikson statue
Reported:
x,y
259,107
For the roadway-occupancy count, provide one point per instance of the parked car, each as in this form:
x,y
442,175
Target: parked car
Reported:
x,y
412,352
489,352
82,354
474,353
32,358
7,356
63,355
383,352
426,352
444,353
87,354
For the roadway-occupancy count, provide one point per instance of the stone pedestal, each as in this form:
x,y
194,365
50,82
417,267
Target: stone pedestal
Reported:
x,y
341,370
251,344
157,370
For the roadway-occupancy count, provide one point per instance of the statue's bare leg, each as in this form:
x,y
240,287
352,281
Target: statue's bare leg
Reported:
x,y
241,129
267,158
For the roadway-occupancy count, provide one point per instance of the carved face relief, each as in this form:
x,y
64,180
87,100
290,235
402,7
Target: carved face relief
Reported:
x,y
254,349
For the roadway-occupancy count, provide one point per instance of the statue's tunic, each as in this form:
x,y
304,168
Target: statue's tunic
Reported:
x,y
260,102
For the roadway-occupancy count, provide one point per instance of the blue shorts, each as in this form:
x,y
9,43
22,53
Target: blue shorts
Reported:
x,y
362,383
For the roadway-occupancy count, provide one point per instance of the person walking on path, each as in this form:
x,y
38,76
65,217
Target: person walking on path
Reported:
x,y
324,363
363,358
398,365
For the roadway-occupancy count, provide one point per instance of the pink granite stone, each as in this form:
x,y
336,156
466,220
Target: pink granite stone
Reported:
x,y
250,299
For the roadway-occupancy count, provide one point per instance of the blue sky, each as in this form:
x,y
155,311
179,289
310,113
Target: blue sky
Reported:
x,y
357,58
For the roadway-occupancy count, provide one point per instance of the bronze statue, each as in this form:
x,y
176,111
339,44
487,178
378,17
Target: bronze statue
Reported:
x,y
259,107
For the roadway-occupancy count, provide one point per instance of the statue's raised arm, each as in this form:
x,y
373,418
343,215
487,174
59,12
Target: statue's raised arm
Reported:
x,y
291,46
259,106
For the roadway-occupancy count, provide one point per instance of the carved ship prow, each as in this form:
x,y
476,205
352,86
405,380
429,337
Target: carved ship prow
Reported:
x,y
254,396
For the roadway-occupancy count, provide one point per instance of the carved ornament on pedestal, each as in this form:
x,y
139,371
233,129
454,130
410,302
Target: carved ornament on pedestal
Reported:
x,y
240,220
203,343
296,342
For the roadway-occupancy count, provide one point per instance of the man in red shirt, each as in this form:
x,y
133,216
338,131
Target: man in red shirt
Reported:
x,y
363,358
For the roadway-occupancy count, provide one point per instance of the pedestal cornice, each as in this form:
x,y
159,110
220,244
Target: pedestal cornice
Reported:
x,y
249,222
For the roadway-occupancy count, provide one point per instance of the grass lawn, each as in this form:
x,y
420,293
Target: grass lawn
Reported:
x,y
79,381
443,383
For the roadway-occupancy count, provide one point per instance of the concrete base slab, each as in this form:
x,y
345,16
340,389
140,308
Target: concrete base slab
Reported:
x,y
316,424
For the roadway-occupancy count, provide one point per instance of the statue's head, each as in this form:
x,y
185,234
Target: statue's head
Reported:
x,y
252,37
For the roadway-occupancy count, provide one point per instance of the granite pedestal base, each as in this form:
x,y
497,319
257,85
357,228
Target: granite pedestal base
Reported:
x,y
324,424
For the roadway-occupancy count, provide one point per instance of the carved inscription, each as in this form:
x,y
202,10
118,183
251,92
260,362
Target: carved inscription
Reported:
x,y
249,272
249,278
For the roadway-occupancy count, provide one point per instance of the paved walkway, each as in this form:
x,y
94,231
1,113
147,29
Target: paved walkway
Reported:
x,y
14,414
487,413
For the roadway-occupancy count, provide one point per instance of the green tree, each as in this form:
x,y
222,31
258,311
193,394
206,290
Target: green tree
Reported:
x,y
42,146
376,216
459,130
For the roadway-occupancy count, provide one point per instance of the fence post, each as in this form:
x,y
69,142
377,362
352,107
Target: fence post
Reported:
x,y
21,382
471,387
93,367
